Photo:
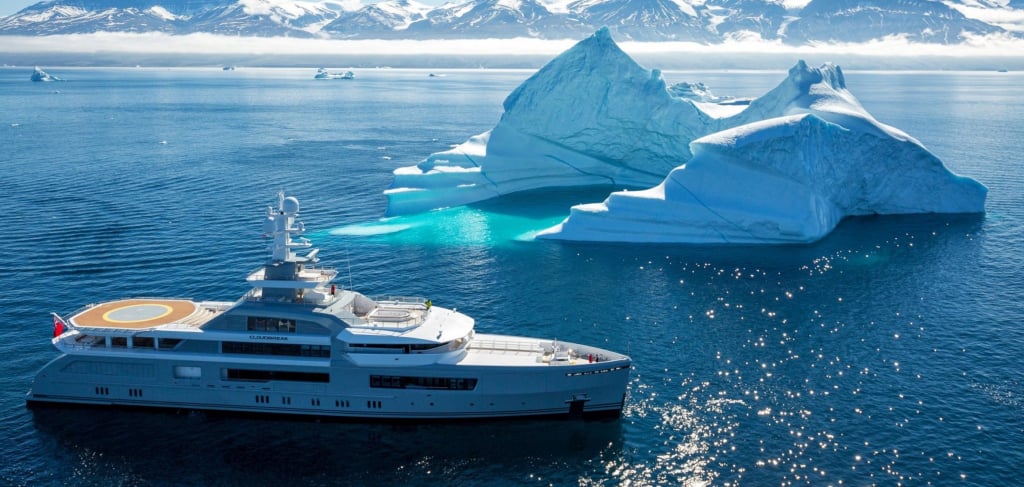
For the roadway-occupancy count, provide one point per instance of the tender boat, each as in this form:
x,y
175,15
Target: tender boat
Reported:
x,y
298,343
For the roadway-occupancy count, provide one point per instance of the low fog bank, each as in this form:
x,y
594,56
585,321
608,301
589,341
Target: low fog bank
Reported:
x,y
155,50
436,61
665,61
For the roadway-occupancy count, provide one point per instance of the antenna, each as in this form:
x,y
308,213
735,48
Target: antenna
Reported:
x,y
348,263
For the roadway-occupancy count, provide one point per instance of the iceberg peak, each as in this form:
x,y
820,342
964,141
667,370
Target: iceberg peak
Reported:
x,y
820,90
590,116
596,58
804,76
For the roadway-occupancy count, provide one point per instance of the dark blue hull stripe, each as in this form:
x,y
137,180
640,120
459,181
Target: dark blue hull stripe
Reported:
x,y
589,408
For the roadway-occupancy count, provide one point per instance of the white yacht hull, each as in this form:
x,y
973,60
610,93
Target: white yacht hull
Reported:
x,y
297,343
582,389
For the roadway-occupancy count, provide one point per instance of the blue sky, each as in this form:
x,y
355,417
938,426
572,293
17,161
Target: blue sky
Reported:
x,y
8,7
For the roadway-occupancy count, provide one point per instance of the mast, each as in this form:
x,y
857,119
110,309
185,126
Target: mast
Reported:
x,y
285,277
281,224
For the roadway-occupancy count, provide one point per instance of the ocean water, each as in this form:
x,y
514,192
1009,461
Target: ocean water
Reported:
x,y
888,353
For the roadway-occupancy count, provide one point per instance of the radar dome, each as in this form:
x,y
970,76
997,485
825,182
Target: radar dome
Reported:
x,y
290,205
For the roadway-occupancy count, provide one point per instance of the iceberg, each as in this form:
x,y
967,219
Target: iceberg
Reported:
x,y
700,92
783,180
794,163
40,75
322,73
784,168
591,116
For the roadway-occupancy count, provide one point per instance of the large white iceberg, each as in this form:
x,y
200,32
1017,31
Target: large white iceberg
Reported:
x,y
786,168
782,180
591,116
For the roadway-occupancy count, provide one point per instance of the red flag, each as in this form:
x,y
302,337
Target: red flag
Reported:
x,y
58,326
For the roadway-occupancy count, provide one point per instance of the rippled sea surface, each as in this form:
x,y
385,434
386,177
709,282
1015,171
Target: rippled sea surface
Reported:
x,y
888,353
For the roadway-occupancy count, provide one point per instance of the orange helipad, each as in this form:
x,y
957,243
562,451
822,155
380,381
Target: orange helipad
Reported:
x,y
135,313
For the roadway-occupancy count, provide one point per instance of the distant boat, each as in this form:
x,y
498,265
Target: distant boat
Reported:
x,y
1002,71
228,68
40,75
322,73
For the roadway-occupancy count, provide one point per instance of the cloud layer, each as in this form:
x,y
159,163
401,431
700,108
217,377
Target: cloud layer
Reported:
x,y
1002,49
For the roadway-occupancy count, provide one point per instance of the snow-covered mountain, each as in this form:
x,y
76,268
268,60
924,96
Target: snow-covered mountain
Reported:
x,y
261,18
644,20
701,21
740,19
64,18
234,17
495,19
864,20
389,18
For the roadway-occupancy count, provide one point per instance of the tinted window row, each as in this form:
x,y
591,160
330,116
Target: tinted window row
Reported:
x,y
251,348
408,382
269,375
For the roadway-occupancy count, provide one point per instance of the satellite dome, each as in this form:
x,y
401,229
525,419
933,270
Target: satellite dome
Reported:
x,y
290,205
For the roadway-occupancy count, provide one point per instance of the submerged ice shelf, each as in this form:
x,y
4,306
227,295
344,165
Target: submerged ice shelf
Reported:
x,y
493,223
785,168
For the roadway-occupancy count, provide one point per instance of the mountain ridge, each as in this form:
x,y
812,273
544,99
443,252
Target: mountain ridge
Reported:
x,y
706,22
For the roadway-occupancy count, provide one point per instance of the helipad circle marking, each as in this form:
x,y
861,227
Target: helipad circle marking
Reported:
x,y
137,312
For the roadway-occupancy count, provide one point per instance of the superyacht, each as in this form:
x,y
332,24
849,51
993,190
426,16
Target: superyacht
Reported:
x,y
298,343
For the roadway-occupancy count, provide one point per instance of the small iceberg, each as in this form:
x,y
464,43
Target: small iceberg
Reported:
x,y
322,73
40,75
697,92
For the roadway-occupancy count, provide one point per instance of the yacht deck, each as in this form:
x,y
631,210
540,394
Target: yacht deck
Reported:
x,y
137,314
522,351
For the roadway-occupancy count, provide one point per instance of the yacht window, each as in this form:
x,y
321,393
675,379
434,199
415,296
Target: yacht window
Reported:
x,y
167,343
187,372
427,346
403,348
259,323
252,348
379,346
315,350
90,341
269,375
142,342
119,342
410,382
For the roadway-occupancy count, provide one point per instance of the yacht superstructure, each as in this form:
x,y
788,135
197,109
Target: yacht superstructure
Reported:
x,y
297,343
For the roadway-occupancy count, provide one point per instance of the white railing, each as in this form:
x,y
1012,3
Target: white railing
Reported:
x,y
506,346
314,298
199,317
322,269
181,325
400,300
